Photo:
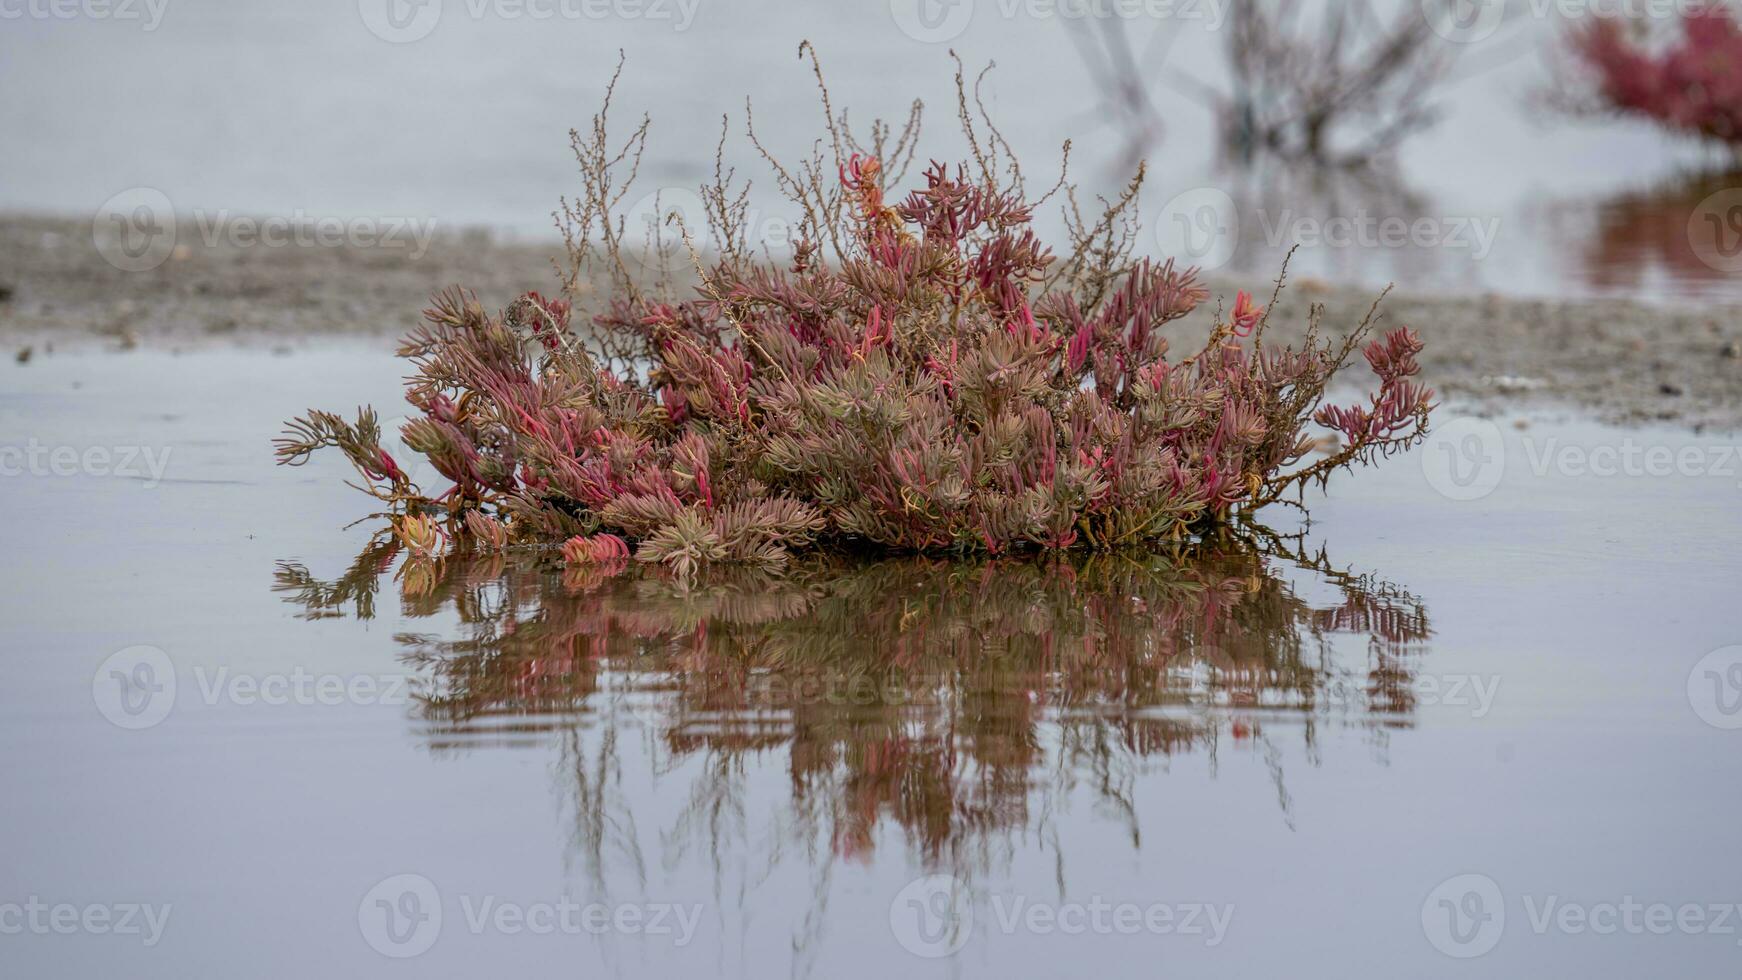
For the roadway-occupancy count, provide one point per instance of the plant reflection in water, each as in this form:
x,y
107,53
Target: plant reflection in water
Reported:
x,y
952,704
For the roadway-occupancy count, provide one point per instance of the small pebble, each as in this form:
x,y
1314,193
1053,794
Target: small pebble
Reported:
x,y
1669,389
1732,350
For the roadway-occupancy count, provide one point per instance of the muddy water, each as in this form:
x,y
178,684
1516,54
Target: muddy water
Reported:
x,y
1481,708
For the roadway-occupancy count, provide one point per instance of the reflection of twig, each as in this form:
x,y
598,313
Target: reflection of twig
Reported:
x,y
324,600
1121,76
1343,91
1273,762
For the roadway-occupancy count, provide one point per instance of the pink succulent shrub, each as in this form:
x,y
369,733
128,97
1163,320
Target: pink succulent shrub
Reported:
x,y
941,383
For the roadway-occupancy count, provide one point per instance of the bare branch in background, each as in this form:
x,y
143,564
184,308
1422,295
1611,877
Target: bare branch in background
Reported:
x,y
1121,75
1341,88
1326,83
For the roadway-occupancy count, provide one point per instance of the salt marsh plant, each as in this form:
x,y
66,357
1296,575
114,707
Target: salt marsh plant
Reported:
x,y
920,373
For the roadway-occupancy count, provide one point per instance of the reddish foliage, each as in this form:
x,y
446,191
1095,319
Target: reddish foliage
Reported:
x,y
943,382
584,550
1692,84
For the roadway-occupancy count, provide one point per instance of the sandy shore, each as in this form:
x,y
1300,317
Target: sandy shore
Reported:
x,y
1621,361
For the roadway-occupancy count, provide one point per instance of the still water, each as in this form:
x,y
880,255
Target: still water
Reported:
x,y
324,109
1421,729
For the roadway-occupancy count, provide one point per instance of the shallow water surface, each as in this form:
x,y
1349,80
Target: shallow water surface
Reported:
x,y
319,116
1435,724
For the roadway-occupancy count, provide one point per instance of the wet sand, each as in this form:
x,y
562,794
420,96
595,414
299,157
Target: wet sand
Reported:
x,y
1619,361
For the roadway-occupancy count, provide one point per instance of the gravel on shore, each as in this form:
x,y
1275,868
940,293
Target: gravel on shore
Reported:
x,y
1621,361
